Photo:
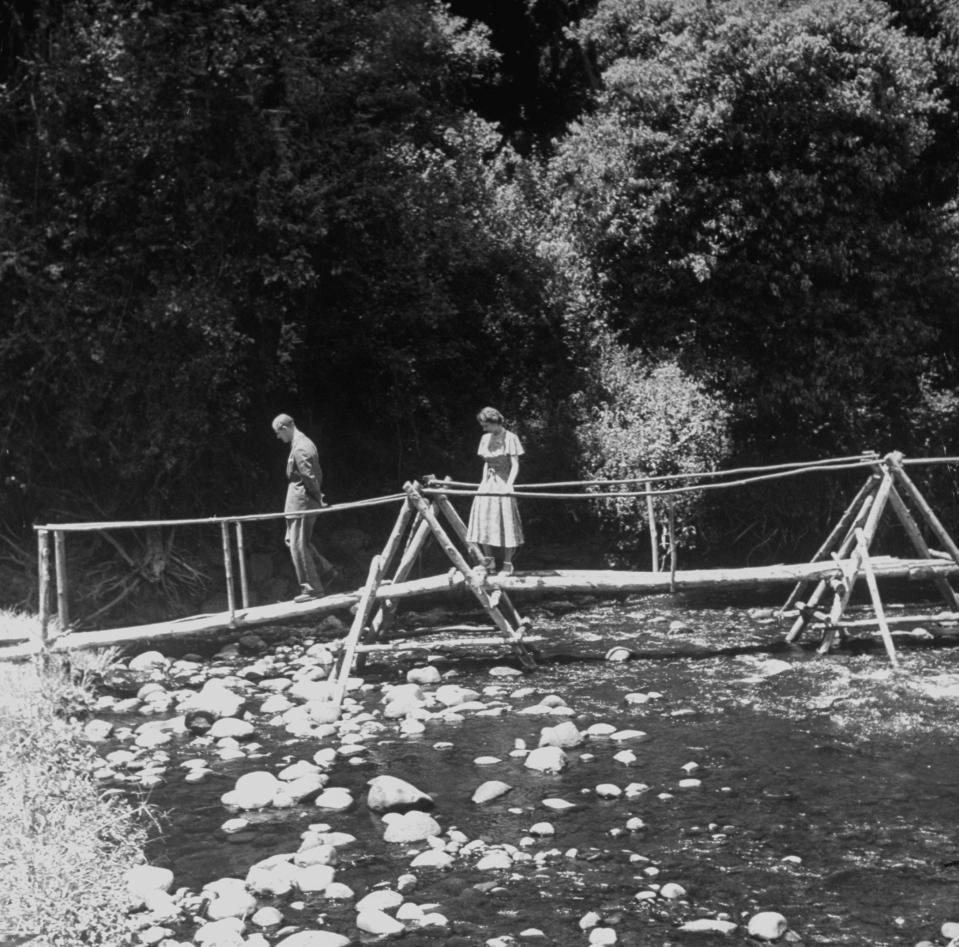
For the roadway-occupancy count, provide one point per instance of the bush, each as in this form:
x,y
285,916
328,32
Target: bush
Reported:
x,y
643,418
66,847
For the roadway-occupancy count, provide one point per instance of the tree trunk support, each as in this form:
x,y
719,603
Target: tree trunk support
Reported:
x,y
863,550
845,521
60,565
363,611
805,612
512,635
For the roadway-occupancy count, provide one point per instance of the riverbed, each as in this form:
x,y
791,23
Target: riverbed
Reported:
x,y
760,777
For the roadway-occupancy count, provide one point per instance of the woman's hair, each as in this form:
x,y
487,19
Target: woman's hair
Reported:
x,y
489,416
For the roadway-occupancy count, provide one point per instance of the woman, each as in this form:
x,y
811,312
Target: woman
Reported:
x,y
494,520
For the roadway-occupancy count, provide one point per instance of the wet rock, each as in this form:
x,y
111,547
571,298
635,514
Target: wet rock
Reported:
x,y
314,877
144,880
602,937
690,783
252,791
336,799
97,730
338,892
542,829
231,727
452,695
672,891
147,661
620,736
227,932
267,917
767,925
546,759
314,939
618,655
391,794
413,826
228,897
424,675
378,923
564,735
275,881
215,698
315,855
608,791
309,691
490,790
432,858
496,860
502,671
950,930
708,925
381,899
558,805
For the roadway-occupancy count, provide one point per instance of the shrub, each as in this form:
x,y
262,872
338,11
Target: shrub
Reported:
x,y
65,846
643,418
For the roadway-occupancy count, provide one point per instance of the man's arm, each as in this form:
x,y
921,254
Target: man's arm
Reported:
x,y
308,467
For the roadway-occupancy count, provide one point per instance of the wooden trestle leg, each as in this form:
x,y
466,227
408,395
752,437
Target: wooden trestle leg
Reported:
x,y
863,550
863,538
802,620
942,534
476,554
512,635
363,611
844,524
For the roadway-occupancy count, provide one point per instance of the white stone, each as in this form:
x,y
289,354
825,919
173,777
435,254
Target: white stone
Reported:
x,y
230,727
542,829
145,879
453,694
147,661
708,925
486,761
490,790
253,790
228,897
432,858
672,891
497,860
267,917
314,877
338,892
296,770
424,675
226,932
626,757
379,923
690,783
502,671
302,787
767,925
232,826
391,794
608,791
275,881
316,855
413,826
600,730
214,698
97,730
381,899
950,930
309,691
602,937
546,759
621,735
336,799
314,939
564,735
558,805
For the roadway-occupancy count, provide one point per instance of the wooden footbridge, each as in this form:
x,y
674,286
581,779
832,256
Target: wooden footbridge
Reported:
x,y
819,600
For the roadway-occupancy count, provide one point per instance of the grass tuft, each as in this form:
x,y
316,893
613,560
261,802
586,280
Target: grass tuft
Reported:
x,y
64,846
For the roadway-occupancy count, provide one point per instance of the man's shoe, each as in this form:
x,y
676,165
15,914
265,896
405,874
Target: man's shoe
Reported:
x,y
307,595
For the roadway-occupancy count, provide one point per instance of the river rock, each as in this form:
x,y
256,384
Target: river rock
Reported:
x,y
267,917
323,711
309,691
621,735
316,855
672,891
231,727
226,932
432,858
335,798
314,877
602,937
708,925
228,897
145,879
950,930
215,698
147,660
429,674
381,899
452,695
546,759
503,671
275,881
413,826
252,791
314,939
618,655
391,794
378,923
496,860
564,735
490,790
608,791
767,925
558,805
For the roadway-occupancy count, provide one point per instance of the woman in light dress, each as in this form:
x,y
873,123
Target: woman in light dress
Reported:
x,y
494,520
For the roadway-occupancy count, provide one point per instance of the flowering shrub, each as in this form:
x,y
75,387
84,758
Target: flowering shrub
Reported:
x,y
648,419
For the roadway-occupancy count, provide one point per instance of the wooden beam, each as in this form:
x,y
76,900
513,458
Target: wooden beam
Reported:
x,y
241,559
63,597
841,527
228,570
387,613
942,534
919,544
876,600
43,588
363,611
395,540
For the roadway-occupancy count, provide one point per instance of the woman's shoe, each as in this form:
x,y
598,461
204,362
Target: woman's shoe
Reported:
x,y
506,571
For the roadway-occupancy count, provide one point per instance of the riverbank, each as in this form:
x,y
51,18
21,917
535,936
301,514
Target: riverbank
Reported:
x,y
66,844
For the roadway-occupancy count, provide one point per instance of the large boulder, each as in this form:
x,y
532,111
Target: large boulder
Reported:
x,y
391,794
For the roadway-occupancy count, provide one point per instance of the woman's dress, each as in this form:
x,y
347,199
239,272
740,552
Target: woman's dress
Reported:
x,y
494,520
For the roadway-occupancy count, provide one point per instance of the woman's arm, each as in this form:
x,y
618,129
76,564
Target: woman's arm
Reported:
x,y
513,470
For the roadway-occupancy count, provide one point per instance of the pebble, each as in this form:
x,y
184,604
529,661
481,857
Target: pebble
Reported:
x,y
490,790
379,923
336,799
602,936
546,759
558,805
767,925
707,925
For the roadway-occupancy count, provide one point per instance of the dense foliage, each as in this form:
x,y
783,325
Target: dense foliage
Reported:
x,y
381,215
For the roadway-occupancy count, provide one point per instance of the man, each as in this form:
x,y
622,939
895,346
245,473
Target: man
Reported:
x,y
303,493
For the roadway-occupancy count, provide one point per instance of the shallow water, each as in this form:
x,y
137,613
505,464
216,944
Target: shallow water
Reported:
x,y
835,761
